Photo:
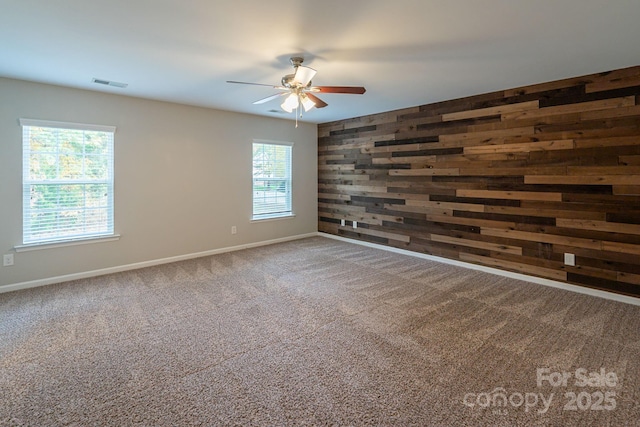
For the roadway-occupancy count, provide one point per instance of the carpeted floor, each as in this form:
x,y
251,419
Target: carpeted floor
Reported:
x,y
315,332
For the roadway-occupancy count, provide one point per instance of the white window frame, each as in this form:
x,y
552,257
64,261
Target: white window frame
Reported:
x,y
59,236
278,211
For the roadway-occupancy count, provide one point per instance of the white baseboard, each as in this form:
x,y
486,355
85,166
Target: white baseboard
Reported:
x,y
519,276
533,279
151,263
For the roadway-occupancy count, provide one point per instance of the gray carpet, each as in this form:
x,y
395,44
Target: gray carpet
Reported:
x,y
313,332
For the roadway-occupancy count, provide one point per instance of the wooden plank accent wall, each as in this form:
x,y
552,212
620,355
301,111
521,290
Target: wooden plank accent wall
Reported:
x,y
511,179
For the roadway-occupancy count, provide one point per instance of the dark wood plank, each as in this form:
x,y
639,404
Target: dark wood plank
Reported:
x,y
510,179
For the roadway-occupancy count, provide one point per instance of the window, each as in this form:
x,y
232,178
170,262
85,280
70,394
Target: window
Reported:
x,y
67,180
271,179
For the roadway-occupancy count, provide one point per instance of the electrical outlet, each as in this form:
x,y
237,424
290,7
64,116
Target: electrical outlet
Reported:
x,y
343,222
355,224
570,259
234,230
7,260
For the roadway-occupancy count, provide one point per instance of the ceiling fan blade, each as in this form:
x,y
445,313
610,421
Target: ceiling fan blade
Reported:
x,y
319,102
256,84
269,98
355,90
304,75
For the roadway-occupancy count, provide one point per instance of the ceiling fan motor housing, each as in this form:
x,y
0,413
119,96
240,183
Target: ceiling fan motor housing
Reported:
x,y
287,81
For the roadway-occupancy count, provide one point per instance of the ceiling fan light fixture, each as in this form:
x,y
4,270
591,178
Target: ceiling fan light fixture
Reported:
x,y
291,103
286,108
299,91
306,102
304,75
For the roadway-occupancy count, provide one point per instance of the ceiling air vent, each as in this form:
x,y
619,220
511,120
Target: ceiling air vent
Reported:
x,y
276,111
109,83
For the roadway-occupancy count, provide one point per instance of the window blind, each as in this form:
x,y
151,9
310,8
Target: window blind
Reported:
x,y
67,181
271,179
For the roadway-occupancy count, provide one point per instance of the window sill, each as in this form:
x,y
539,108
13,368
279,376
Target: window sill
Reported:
x,y
272,217
62,243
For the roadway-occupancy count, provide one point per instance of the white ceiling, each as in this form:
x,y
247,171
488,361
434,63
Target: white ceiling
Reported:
x,y
405,52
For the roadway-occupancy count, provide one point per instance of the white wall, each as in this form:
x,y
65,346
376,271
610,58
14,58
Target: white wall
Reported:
x,y
182,178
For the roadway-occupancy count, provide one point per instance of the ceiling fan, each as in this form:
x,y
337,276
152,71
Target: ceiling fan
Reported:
x,y
299,90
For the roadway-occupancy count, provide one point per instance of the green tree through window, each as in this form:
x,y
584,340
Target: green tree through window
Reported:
x,y
67,181
271,180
